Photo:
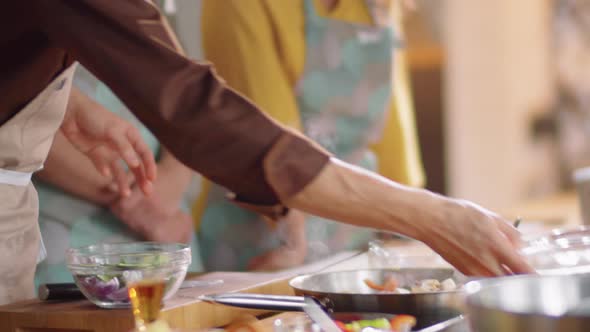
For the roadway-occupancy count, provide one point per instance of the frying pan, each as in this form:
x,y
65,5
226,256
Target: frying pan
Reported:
x,y
346,291
297,303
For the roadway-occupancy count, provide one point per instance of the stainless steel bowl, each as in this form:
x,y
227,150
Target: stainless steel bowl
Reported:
x,y
530,303
347,292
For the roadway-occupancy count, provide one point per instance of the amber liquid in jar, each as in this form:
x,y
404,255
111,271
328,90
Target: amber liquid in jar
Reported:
x,y
146,301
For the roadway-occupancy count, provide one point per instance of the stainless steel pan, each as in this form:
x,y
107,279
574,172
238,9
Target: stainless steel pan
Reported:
x,y
298,303
346,292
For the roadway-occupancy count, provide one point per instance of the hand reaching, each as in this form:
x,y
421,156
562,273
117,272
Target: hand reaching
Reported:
x,y
156,217
294,250
107,139
475,240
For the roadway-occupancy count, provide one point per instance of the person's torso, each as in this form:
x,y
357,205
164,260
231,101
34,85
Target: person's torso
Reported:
x,y
28,61
338,110
288,18
344,91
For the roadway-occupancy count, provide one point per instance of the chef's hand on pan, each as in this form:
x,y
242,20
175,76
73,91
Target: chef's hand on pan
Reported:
x,y
106,139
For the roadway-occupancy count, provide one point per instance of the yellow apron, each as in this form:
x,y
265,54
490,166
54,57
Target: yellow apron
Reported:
x,y
25,141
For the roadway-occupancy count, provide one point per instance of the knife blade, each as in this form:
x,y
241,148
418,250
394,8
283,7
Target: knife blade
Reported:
x,y
319,316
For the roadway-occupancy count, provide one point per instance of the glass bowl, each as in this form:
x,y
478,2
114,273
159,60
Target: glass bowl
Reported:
x,y
561,251
103,271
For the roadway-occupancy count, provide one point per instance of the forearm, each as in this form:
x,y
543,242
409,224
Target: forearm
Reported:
x,y
294,224
177,176
352,195
71,171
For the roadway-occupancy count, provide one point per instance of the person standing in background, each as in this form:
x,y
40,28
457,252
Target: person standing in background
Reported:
x,y
332,69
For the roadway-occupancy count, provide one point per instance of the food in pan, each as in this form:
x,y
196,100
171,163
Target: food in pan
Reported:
x,y
391,285
400,323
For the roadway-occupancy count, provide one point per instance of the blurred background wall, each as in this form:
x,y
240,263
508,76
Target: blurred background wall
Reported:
x,y
499,80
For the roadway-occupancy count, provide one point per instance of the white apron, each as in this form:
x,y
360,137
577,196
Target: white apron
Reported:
x,y
25,141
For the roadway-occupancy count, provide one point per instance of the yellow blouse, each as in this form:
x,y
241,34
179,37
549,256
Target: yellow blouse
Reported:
x,y
258,46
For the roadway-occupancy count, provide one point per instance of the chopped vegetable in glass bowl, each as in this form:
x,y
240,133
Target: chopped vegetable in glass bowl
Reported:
x,y
103,271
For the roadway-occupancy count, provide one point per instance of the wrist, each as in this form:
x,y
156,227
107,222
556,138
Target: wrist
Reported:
x,y
416,212
433,211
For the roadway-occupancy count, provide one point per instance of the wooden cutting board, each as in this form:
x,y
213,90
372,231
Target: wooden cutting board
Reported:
x,y
183,311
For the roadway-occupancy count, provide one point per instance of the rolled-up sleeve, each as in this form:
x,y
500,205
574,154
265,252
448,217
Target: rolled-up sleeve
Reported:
x,y
204,123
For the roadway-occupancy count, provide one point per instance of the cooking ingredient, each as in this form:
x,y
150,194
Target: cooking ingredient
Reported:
x,y
143,260
421,286
402,323
426,285
120,295
341,326
390,284
359,325
380,323
448,285
98,287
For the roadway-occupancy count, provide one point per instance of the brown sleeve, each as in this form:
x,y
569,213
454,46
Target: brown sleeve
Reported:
x,y
205,124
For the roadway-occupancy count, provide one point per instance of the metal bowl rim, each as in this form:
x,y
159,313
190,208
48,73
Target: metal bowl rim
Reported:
x,y
471,296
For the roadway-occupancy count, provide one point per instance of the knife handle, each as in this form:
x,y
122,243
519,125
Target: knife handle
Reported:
x,y
61,291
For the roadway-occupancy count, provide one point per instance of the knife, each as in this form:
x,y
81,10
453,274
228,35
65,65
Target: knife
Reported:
x,y
319,316
69,291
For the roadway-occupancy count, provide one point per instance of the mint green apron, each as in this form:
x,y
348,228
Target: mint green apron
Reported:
x,y
67,221
343,96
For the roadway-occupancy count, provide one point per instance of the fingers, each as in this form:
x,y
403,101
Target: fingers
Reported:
x,y
114,187
510,232
512,259
120,177
130,202
145,154
135,152
143,182
101,158
119,141
469,260
138,156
